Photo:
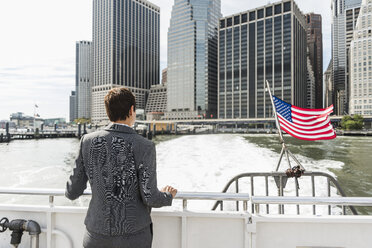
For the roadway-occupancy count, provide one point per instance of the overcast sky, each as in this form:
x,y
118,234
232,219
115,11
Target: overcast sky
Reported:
x,y
37,48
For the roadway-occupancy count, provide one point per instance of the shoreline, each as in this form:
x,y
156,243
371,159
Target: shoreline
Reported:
x,y
356,133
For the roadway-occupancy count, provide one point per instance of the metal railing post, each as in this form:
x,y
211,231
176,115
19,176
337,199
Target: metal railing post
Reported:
x,y
267,193
313,192
252,192
329,194
237,191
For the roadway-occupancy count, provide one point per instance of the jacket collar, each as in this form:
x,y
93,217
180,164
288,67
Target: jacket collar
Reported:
x,y
119,128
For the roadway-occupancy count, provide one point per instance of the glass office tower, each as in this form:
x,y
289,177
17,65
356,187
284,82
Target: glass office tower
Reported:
x,y
125,50
192,59
267,43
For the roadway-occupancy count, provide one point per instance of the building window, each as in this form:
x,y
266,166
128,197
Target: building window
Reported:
x,y
287,6
278,9
260,13
236,20
229,22
222,23
244,18
269,11
252,16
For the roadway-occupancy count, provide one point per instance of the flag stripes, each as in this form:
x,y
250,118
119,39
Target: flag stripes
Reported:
x,y
305,124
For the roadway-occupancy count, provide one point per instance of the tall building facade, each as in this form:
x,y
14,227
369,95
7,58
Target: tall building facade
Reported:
x,y
73,114
164,76
345,14
267,43
311,86
192,59
315,45
125,50
328,84
83,78
157,102
361,63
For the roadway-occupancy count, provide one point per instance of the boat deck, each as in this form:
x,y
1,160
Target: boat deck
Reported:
x,y
62,226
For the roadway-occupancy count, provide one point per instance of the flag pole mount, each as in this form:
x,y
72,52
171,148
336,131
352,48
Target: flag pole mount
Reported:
x,y
298,170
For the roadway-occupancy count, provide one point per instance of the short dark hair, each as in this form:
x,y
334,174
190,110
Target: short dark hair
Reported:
x,y
118,102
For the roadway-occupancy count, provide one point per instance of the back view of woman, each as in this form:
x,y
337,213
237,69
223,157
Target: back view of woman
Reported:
x,y
120,166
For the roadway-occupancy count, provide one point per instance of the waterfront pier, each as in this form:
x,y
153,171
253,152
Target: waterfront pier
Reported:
x,y
42,134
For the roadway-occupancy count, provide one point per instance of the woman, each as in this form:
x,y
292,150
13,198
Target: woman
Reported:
x,y
121,168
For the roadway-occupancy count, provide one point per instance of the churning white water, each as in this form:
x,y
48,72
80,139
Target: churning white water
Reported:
x,y
197,163
205,163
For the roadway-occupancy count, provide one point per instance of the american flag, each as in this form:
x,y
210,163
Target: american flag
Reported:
x,y
305,124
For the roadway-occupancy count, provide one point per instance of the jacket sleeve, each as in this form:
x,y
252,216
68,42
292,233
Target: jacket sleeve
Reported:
x,y
78,180
150,194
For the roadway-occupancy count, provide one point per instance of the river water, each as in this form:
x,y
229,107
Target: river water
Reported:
x,y
202,163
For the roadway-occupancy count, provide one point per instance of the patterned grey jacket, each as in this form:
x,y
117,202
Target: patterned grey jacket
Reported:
x,y
121,168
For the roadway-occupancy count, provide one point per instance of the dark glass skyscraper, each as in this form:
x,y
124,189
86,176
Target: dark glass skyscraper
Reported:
x,y
315,45
125,50
267,43
192,59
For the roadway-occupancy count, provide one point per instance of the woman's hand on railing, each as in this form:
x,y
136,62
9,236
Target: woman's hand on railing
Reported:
x,y
170,190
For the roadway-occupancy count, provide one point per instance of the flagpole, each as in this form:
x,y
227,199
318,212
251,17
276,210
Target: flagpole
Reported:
x,y
275,114
284,147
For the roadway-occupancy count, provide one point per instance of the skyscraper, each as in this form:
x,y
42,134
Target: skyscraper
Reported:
x,y
266,43
328,84
125,50
345,14
164,76
72,106
315,45
192,59
83,78
311,91
361,63
157,101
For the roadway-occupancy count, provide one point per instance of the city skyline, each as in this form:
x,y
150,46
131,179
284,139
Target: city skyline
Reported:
x,y
42,71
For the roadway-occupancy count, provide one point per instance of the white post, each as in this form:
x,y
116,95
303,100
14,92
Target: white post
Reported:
x,y
34,117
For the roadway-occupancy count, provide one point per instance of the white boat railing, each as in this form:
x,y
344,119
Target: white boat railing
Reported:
x,y
184,196
245,198
305,200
